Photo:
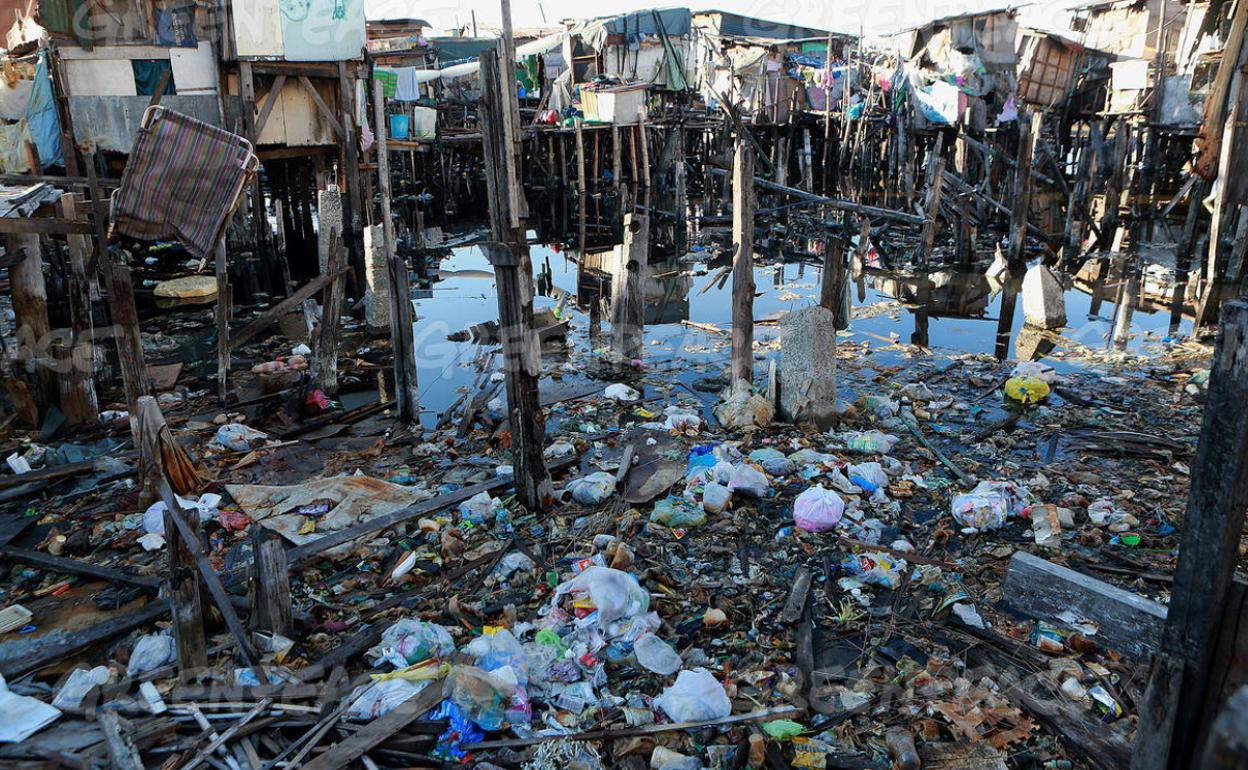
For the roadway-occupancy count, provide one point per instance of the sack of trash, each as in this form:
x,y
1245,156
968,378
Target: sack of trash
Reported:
x,y
483,696
237,437
696,696
410,641
497,647
989,504
592,489
818,509
875,568
151,652
621,392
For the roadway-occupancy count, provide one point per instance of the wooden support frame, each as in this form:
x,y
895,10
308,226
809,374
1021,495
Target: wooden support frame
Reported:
x,y
743,202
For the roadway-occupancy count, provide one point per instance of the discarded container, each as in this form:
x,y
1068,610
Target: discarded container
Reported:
x,y
656,655
818,509
695,697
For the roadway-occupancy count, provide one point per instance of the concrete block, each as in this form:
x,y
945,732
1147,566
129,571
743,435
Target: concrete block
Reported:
x,y
808,366
376,279
1044,298
329,217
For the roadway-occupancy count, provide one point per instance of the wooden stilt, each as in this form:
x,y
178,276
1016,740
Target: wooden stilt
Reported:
x,y
509,254
1028,133
30,309
743,267
223,319
325,354
628,281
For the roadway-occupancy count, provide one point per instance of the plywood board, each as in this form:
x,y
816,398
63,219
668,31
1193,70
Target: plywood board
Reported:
x,y
258,28
194,69
101,77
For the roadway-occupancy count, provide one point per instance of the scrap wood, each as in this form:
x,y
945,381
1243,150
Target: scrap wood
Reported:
x,y
217,741
77,567
913,427
375,732
56,648
768,714
795,607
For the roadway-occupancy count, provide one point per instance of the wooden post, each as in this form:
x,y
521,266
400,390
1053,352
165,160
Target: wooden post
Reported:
x,y
1227,747
30,308
259,219
407,389
1178,701
743,267
76,357
1076,211
582,198
351,234
681,222
1022,189
223,319
931,207
325,356
832,285
509,255
270,600
126,331
628,282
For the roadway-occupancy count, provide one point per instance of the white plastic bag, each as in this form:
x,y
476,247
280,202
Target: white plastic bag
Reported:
x,y
237,437
498,649
151,652
818,509
656,655
377,698
621,392
615,594
989,504
592,489
78,684
715,497
748,480
696,696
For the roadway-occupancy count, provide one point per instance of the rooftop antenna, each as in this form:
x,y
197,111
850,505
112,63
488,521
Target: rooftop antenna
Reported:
x,y
543,12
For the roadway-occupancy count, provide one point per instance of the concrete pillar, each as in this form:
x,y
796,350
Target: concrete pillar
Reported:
x,y
1044,298
329,217
808,366
377,279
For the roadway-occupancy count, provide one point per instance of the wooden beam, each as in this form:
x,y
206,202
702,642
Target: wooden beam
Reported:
x,y
1176,708
77,567
325,355
76,378
1227,747
378,730
275,94
1127,623
1028,133
270,605
44,226
274,314
322,107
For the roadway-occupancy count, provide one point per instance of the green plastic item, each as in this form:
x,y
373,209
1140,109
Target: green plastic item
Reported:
x,y
783,729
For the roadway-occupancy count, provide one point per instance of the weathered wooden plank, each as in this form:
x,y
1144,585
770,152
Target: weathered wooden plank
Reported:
x,y
378,730
743,267
1128,623
77,567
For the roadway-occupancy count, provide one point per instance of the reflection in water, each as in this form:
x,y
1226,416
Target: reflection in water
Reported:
x,y
949,309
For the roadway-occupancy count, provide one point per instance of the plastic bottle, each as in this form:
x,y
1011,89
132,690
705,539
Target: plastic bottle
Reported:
x,y
901,748
656,655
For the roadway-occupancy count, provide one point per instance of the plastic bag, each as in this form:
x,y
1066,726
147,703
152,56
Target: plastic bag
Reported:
x,y
875,568
373,700
989,504
479,508
484,697
818,509
695,697
78,684
459,731
869,476
680,420
205,507
870,442
1035,369
1027,390
621,392
497,647
677,513
237,437
613,593
656,655
715,497
592,489
151,652
748,480
410,641
663,758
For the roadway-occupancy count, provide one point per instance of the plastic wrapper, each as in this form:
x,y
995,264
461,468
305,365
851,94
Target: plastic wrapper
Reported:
x,y
696,696
989,504
483,697
78,684
680,420
869,442
818,509
656,655
748,480
1027,390
875,568
410,641
592,489
773,461
479,508
151,652
237,437
616,595
621,392
1036,369
868,476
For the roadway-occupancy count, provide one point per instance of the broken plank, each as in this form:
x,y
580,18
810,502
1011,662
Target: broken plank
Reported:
x,y
1128,623
273,314
302,554
796,604
378,730
77,567
54,648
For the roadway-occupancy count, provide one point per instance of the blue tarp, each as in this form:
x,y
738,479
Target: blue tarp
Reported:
x,y
41,119
676,22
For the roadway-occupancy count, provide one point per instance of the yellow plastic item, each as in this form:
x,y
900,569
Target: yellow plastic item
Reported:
x,y
1028,390
418,673
187,287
